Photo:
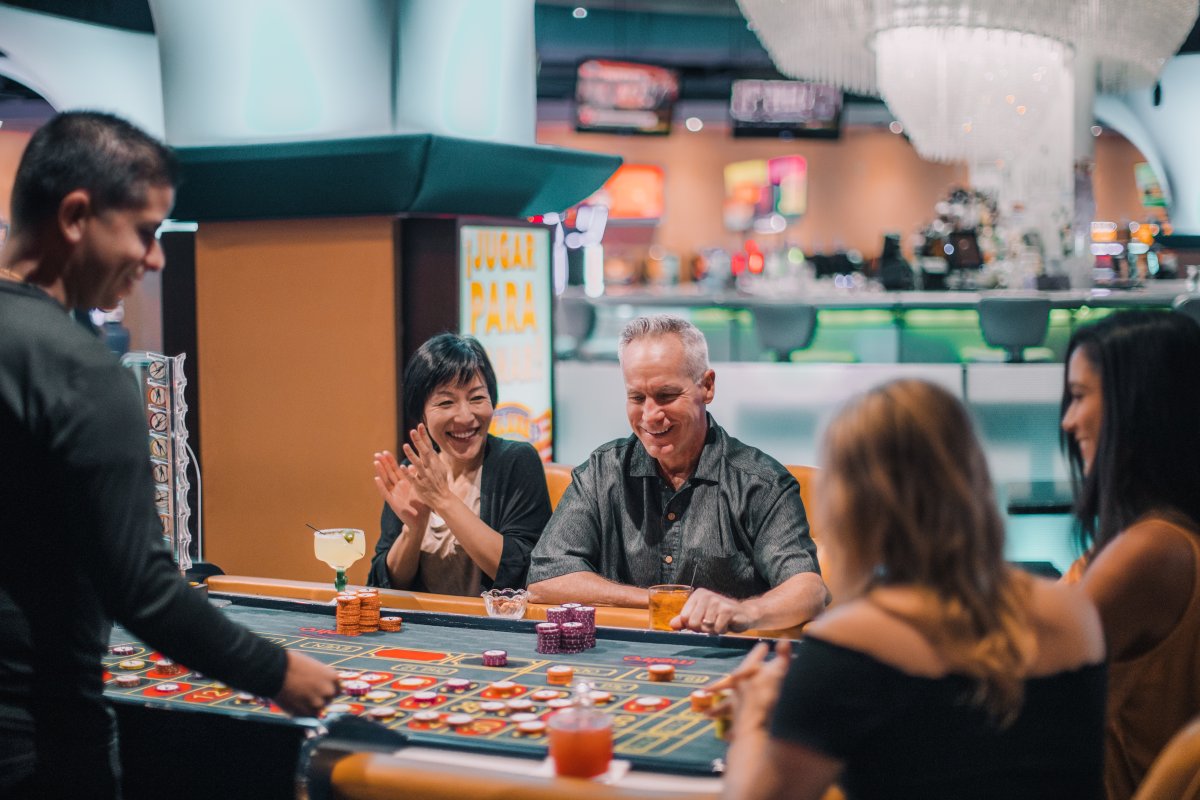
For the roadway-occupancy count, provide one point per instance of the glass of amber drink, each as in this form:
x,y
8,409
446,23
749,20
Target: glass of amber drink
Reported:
x,y
580,742
666,601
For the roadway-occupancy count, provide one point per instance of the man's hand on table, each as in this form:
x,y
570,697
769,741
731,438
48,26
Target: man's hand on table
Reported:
x,y
308,686
709,612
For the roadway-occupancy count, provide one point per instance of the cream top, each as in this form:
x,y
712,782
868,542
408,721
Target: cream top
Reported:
x,y
445,567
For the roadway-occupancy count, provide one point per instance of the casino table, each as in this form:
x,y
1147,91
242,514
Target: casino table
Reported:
x,y
183,734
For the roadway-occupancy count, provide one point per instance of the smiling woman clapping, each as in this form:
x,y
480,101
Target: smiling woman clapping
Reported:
x,y
465,508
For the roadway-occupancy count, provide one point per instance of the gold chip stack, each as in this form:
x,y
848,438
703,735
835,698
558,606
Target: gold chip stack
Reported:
x,y
349,611
368,619
390,624
722,722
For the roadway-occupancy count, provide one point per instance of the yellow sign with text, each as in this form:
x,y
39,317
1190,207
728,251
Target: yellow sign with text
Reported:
x,y
504,302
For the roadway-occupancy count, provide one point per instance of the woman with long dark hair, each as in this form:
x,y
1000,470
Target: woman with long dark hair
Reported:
x,y
941,672
463,511
1131,428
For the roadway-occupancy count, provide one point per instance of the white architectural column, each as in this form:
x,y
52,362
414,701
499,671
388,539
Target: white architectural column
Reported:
x,y
467,68
274,70
291,70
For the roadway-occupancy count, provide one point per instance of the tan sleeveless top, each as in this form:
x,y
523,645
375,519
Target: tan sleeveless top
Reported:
x,y
1153,696
444,566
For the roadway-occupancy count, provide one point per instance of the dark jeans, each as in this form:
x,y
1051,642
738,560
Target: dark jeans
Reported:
x,y
89,772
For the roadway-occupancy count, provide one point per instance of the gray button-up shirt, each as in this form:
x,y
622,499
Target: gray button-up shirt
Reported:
x,y
736,527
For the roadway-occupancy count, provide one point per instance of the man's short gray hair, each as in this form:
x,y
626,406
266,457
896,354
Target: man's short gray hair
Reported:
x,y
695,347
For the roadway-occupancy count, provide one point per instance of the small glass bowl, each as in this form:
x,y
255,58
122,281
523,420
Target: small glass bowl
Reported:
x,y
505,603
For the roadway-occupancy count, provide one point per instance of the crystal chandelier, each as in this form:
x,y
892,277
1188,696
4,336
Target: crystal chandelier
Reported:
x,y
972,93
970,79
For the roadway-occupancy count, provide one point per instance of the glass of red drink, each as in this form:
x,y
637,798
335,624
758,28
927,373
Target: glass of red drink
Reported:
x,y
580,742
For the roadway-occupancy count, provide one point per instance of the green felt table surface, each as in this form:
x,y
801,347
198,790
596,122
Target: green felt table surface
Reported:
x,y
432,648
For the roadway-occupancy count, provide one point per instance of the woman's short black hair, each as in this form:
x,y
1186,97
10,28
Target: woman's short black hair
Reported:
x,y
446,358
1148,455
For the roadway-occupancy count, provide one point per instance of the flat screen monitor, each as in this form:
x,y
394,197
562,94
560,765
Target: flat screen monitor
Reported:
x,y
785,109
624,97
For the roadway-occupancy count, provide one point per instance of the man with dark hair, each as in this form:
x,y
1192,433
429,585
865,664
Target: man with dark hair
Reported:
x,y
76,494
680,501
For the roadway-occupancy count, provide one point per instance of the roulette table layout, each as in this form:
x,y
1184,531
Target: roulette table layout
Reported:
x,y
428,682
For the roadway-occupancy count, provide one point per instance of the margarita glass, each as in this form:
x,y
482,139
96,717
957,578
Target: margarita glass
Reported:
x,y
339,548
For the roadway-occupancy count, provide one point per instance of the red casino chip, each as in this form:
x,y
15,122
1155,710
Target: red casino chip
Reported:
x,y
646,704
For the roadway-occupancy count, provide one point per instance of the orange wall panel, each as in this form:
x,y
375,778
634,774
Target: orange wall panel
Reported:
x,y
296,342
12,145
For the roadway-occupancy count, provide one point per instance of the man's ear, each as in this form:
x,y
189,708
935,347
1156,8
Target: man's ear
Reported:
x,y
73,211
708,386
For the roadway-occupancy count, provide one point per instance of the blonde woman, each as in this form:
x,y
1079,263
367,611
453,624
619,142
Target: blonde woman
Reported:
x,y
942,672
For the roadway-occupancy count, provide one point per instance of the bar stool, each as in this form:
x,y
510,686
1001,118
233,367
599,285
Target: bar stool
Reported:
x,y
784,329
576,319
1015,323
1188,304
558,478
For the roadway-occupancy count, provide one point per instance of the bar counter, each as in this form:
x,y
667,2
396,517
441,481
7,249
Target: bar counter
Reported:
x,y
852,325
1155,294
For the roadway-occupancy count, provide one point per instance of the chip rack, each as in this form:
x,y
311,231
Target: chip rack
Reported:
x,y
161,381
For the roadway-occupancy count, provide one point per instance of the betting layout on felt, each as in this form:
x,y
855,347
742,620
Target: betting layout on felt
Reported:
x,y
428,682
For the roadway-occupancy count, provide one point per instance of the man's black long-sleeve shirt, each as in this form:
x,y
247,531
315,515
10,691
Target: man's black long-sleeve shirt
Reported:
x,y
80,544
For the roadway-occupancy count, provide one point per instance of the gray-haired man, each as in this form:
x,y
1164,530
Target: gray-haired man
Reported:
x,y
680,501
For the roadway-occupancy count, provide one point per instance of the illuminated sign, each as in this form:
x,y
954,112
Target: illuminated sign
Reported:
x,y
759,189
623,96
634,193
505,304
785,108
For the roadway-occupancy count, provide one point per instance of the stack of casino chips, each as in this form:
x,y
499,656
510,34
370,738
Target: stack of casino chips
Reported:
x,y
495,658
349,612
368,619
570,628
586,616
559,615
167,668
548,637
390,624
574,638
